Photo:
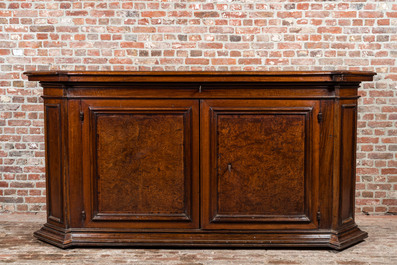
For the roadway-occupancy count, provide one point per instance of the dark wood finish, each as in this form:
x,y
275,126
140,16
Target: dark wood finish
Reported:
x,y
141,163
216,159
257,153
347,161
54,167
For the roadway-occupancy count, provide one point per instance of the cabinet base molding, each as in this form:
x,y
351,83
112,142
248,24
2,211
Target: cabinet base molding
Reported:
x,y
229,239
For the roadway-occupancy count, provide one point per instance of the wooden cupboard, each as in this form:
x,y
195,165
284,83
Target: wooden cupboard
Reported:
x,y
204,159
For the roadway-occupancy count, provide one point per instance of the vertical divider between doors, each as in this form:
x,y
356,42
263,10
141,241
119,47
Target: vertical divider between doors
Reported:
x,y
82,165
200,162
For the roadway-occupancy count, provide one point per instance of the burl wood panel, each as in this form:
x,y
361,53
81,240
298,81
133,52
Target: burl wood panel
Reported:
x,y
141,157
54,162
261,164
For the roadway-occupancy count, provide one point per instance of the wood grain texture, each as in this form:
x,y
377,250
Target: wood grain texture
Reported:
x,y
75,165
257,163
347,160
200,76
326,163
54,165
261,164
142,161
204,159
146,152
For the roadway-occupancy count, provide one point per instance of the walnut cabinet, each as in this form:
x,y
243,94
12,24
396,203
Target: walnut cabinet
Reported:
x,y
203,159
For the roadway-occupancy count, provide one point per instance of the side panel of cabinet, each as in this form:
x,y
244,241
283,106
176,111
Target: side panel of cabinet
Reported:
x,y
259,162
54,135
141,163
347,172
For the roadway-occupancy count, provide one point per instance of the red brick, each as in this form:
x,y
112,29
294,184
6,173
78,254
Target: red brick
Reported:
x,y
132,45
169,29
319,14
391,14
277,61
233,14
4,52
5,13
16,28
389,108
223,61
77,13
114,29
19,123
367,171
296,14
289,46
370,14
345,14
25,13
380,155
120,61
389,140
387,171
261,14
144,29
238,46
35,199
3,184
367,201
383,61
252,61
34,169
379,186
206,14
11,169
391,202
210,45
102,13
47,28
213,29
333,30
379,124
153,14
167,61
200,61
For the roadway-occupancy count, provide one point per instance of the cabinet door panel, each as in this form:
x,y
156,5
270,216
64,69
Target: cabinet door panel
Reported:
x,y
144,161
258,161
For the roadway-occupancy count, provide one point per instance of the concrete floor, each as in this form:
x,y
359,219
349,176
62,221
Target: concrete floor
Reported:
x,y
18,246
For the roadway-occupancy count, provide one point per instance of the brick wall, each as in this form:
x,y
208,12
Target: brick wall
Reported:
x,y
195,35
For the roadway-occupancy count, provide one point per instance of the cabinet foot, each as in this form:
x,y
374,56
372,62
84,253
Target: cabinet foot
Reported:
x,y
347,238
54,237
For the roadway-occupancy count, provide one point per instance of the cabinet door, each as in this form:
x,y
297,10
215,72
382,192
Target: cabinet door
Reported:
x,y
259,164
141,163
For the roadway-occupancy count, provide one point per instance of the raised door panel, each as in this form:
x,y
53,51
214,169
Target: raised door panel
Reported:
x,y
259,163
143,158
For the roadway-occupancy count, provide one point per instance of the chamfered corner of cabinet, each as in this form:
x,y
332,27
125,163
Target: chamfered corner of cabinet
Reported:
x,y
345,239
54,237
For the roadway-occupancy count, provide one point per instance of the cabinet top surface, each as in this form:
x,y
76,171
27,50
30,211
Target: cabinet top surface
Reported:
x,y
200,76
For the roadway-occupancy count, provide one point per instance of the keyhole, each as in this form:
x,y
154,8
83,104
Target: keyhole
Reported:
x,y
229,167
